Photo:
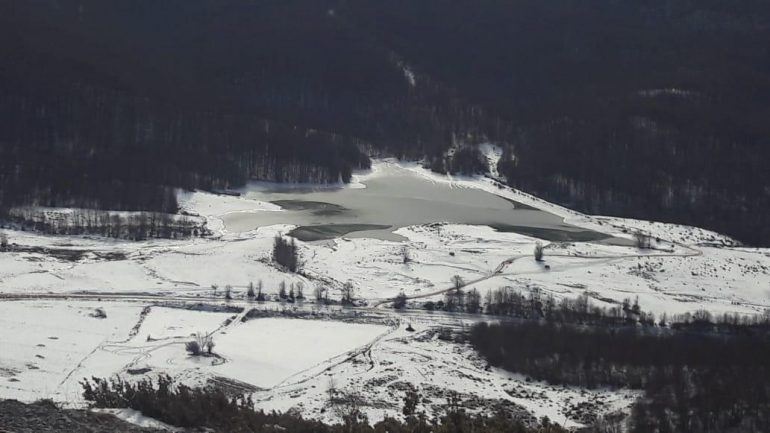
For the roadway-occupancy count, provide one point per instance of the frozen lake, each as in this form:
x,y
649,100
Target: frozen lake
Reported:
x,y
392,199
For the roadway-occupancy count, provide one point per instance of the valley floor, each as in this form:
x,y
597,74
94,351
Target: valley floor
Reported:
x,y
156,293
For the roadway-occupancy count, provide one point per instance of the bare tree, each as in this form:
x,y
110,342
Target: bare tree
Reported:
x,y
260,295
347,292
250,292
228,292
348,406
318,292
454,299
610,423
405,257
3,241
473,301
457,282
331,389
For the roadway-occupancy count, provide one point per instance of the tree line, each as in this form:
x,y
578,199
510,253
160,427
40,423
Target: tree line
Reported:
x,y
536,305
118,225
218,411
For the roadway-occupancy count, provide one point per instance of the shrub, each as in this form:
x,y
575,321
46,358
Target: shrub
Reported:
x,y
347,293
411,399
399,301
193,348
445,334
200,343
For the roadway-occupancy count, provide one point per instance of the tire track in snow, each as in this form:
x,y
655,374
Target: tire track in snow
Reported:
x,y
691,252
347,356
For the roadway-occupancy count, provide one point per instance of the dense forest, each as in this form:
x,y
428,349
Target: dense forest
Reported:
x,y
651,109
694,381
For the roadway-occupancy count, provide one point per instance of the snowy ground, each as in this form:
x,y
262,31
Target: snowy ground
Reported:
x,y
436,369
48,342
49,347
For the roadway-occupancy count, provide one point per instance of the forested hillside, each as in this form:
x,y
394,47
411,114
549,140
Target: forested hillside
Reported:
x,y
650,109
103,103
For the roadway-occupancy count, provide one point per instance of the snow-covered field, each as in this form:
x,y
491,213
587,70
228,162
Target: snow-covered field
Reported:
x,y
48,346
272,351
49,340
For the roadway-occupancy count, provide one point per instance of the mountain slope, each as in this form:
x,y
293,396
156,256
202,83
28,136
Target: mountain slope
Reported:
x,y
652,109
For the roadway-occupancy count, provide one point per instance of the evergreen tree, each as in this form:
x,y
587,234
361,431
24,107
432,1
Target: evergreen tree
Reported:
x,y
285,253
